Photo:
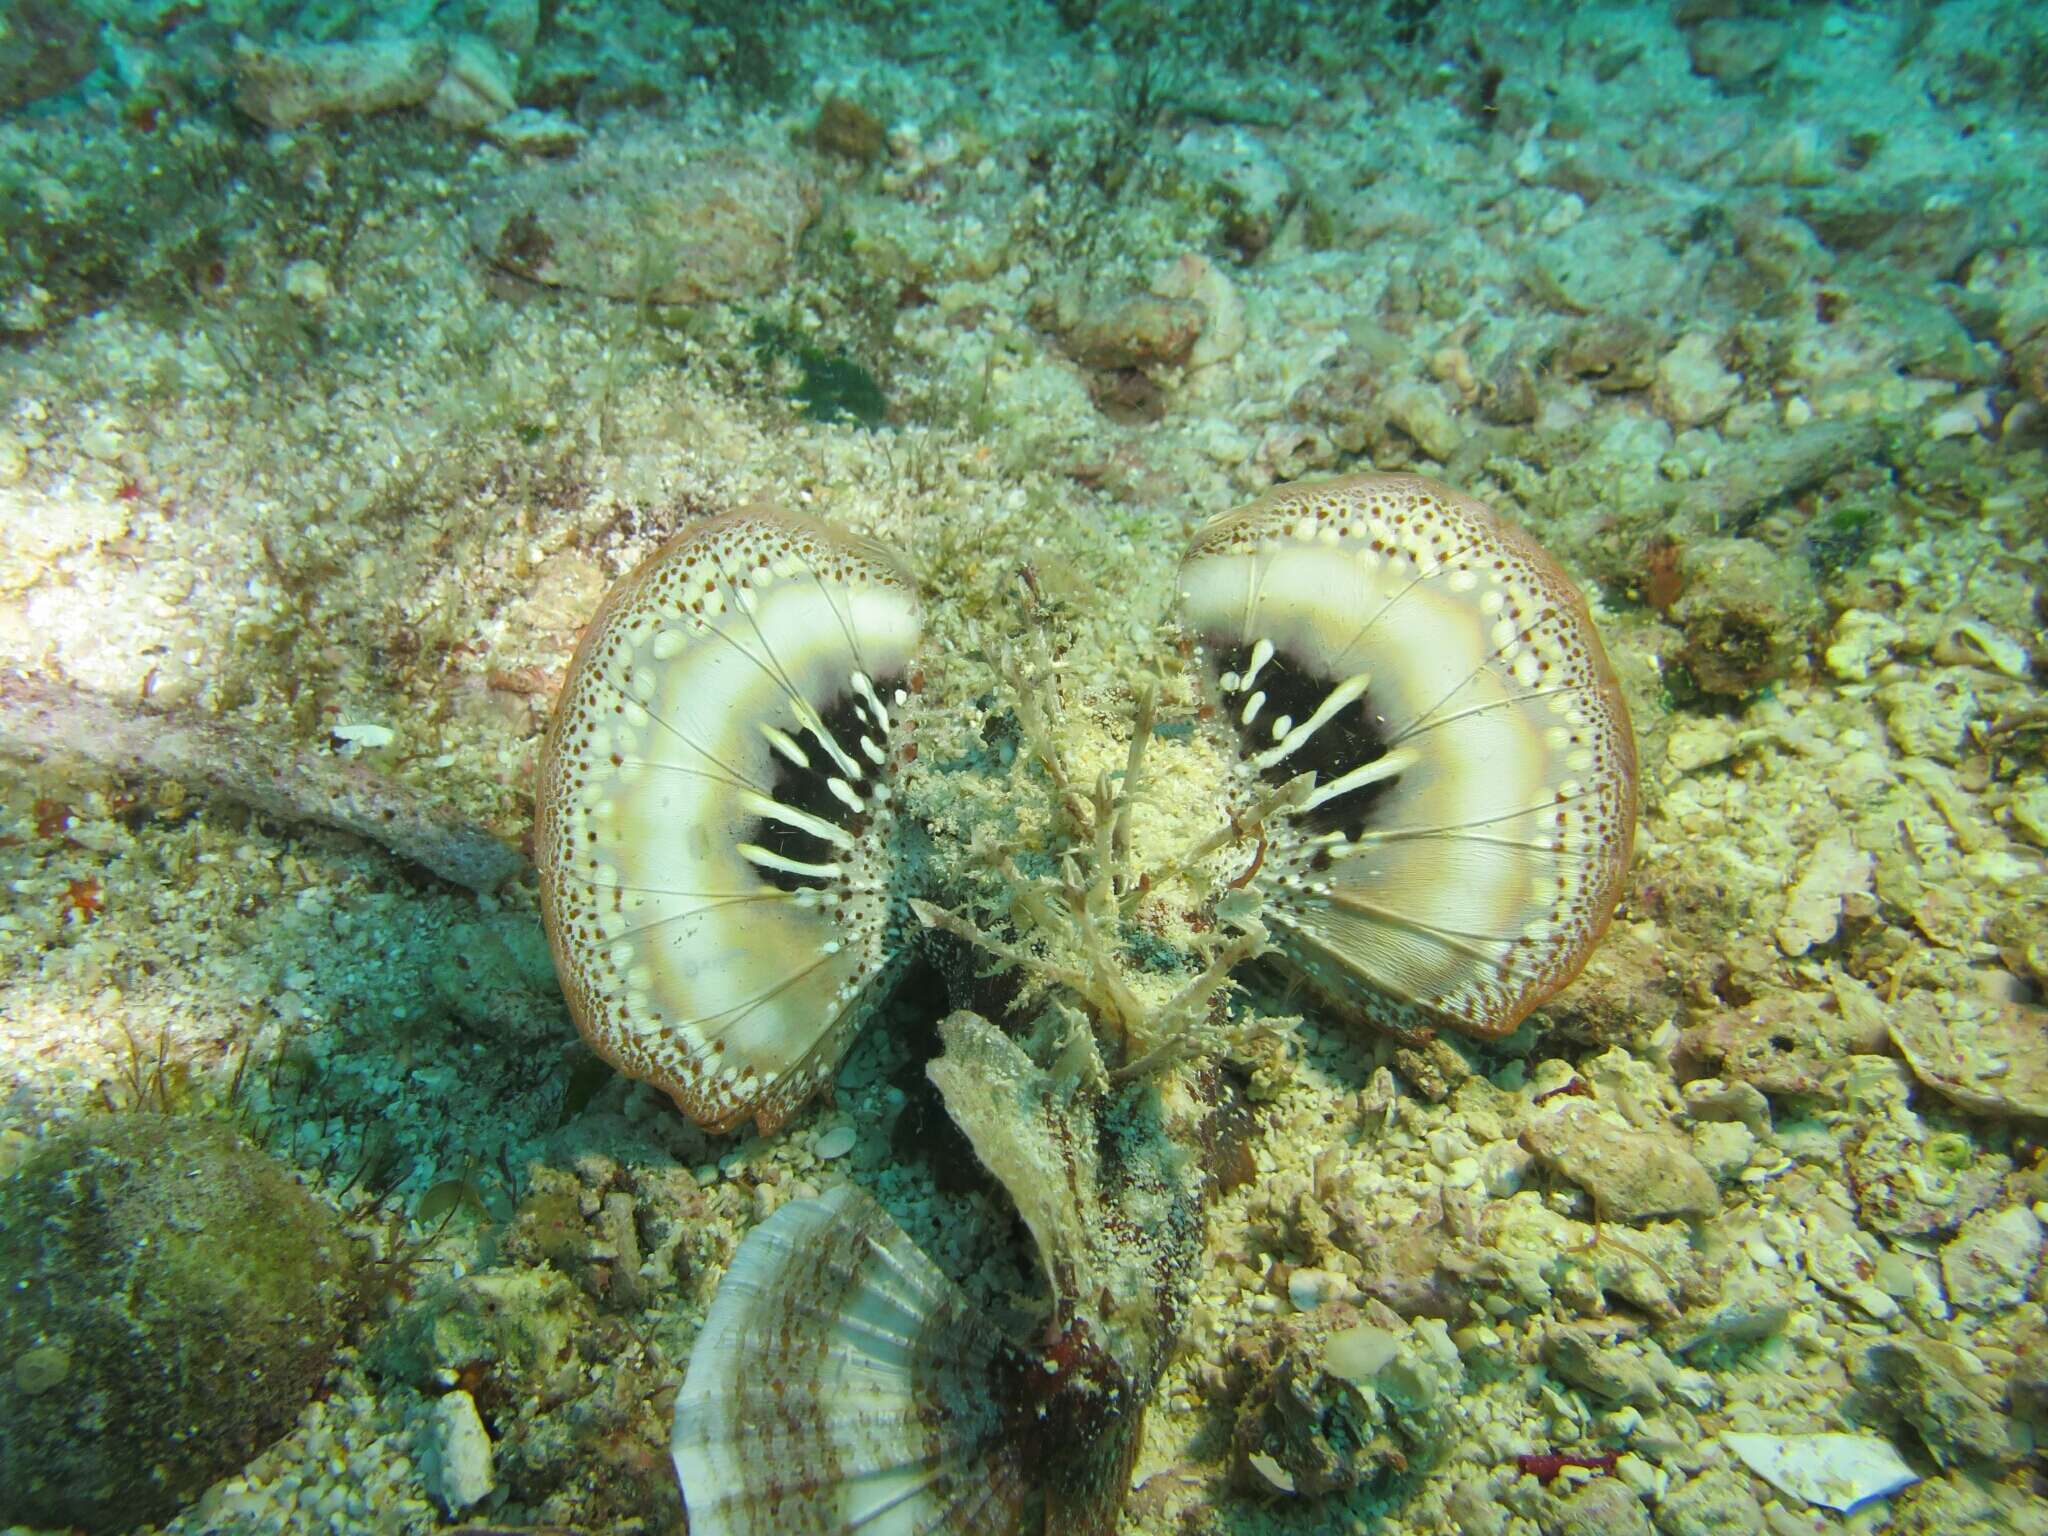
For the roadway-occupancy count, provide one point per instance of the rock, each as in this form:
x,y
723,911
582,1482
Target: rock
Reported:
x,y
458,1461
1716,1503
1944,1393
1988,1056
303,82
1747,1310
1606,1506
1135,331
1631,1175
1862,644
635,218
1597,1362
1249,185
308,282
1613,353
514,25
13,459
848,129
1835,870
1692,388
1961,1505
835,1143
1736,51
476,91
1745,610
1988,1265
1199,279
46,46
1304,1430
174,1298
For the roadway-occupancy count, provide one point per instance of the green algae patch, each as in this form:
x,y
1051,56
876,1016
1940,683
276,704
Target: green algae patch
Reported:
x,y
174,1298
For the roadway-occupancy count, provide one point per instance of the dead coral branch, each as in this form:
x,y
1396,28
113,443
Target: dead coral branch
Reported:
x,y
40,720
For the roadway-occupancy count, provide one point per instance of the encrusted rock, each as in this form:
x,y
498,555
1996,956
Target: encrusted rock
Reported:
x,y
1987,1056
1415,1269
847,128
303,82
1303,1431
635,218
514,1329
1716,1503
1910,1181
476,90
46,46
173,1299
1960,1504
1249,186
543,135
1988,1265
1419,410
1606,1506
1943,1392
1735,51
1199,280
1862,643
1137,330
1611,352
1835,870
458,1461
1792,1043
495,975
1631,1175
1592,1358
2027,1385
1692,388
1746,610
1747,1309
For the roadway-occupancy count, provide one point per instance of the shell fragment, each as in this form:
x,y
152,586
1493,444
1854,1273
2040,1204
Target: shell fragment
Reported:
x,y
1835,1471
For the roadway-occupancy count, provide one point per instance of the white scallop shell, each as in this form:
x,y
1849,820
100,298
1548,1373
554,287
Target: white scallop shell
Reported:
x,y
1473,806
841,1384
715,828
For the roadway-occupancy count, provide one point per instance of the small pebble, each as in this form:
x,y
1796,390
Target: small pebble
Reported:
x,y
308,282
835,1143
461,1471
1310,1288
